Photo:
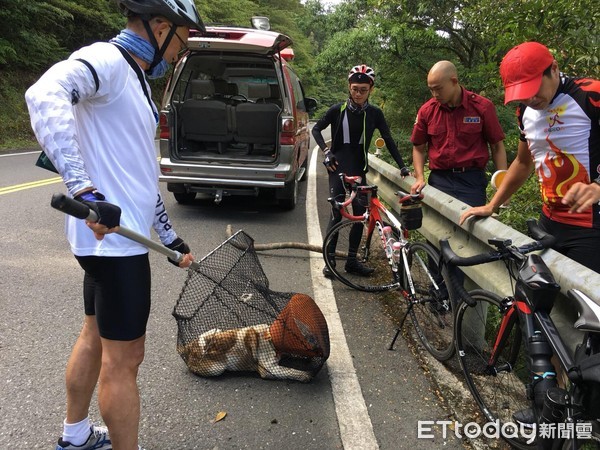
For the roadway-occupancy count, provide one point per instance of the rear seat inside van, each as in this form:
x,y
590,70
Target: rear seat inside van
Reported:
x,y
216,119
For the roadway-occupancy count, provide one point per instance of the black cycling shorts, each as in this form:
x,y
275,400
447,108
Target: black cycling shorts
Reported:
x,y
117,291
577,243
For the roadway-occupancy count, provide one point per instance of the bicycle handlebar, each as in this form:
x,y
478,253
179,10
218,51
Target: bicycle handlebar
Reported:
x,y
507,251
356,187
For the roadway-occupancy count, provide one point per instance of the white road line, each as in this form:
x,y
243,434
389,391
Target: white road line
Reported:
x,y
355,425
19,154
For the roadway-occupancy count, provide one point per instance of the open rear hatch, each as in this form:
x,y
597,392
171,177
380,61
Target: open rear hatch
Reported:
x,y
239,40
227,102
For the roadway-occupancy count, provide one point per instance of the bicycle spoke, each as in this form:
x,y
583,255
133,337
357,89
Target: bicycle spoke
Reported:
x,y
431,313
347,243
497,384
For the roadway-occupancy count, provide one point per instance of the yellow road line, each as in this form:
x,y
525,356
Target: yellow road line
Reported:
x,y
31,185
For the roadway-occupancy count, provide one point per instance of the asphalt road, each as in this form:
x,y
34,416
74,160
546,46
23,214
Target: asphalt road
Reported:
x,y
41,314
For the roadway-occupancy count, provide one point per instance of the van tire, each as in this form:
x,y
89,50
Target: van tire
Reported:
x,y
184,198
289,196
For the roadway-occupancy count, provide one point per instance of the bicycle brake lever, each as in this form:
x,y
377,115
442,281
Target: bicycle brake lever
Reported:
x,y
335,203
500,243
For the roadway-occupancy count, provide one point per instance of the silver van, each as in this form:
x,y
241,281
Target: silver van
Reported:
x,y
234,118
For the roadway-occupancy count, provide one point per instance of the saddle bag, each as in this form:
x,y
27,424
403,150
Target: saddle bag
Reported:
x,y
411,214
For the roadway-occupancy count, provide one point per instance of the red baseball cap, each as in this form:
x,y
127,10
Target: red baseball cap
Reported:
x,y
522,69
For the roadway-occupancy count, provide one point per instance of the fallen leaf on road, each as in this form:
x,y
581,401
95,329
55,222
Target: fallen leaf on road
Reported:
x,y
220,416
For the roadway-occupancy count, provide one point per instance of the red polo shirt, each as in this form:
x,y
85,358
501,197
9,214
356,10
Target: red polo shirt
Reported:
x,y
458,137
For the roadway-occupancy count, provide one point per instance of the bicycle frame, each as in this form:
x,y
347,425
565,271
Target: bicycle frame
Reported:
x,y
373,218
530,322
529,308
410,262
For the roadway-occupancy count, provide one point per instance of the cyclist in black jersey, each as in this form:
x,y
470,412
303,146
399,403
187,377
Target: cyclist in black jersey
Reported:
x,y
353,123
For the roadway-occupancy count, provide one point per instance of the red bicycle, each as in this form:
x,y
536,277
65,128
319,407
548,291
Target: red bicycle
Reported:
x,y
381,241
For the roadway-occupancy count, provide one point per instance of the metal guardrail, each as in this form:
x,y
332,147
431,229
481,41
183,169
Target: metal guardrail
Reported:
x,y
441,213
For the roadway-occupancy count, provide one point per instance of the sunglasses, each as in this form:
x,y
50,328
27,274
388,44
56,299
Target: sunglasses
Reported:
x,y
361,91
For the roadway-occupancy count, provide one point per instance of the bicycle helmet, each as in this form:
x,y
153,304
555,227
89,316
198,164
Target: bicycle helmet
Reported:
x,y
361,74
182,13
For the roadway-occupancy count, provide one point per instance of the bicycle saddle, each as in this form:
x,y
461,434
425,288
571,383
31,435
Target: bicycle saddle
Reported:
x,y
588,310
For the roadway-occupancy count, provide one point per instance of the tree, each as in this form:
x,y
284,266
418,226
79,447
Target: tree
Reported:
x,y
401,39
46,31
569,29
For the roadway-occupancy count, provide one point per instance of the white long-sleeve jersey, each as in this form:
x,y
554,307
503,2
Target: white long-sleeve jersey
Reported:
x,y
101,133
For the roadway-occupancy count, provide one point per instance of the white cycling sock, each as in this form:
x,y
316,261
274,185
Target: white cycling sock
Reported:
x,y
76,433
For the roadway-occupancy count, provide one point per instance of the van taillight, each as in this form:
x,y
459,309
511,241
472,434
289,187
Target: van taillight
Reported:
x,y
288,132
164,126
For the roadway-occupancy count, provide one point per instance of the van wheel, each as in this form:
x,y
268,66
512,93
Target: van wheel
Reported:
x,y
184,197
289,196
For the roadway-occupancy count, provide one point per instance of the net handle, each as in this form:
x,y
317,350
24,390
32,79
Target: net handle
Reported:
x,y
81,211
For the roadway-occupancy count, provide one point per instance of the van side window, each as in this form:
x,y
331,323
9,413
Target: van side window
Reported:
x,y
298,91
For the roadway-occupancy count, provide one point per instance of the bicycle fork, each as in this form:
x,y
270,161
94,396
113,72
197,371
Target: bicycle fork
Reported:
x,y
506,325
551,403
411,294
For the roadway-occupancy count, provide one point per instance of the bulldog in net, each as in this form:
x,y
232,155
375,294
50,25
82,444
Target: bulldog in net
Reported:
x,y
230,320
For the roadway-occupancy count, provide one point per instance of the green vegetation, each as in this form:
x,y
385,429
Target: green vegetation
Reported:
x,y
401,39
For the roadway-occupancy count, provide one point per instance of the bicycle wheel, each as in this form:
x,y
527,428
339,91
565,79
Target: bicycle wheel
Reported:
x,y
498,389
369,252
431,312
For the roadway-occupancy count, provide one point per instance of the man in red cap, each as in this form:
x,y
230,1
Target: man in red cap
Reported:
x,y
559,119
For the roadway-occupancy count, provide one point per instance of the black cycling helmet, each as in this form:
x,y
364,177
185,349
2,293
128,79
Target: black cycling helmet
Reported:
x,y
182,13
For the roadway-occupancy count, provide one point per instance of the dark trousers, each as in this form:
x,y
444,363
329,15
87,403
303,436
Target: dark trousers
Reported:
x,y
468,187
336,190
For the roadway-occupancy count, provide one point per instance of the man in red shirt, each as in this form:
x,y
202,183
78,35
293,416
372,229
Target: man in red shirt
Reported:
x,y
457,128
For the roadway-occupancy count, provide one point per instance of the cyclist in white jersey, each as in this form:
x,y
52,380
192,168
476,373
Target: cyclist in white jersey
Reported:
x,y
95,120
559,119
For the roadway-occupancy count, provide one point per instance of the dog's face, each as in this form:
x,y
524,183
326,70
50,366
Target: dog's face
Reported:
x,y
217,343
